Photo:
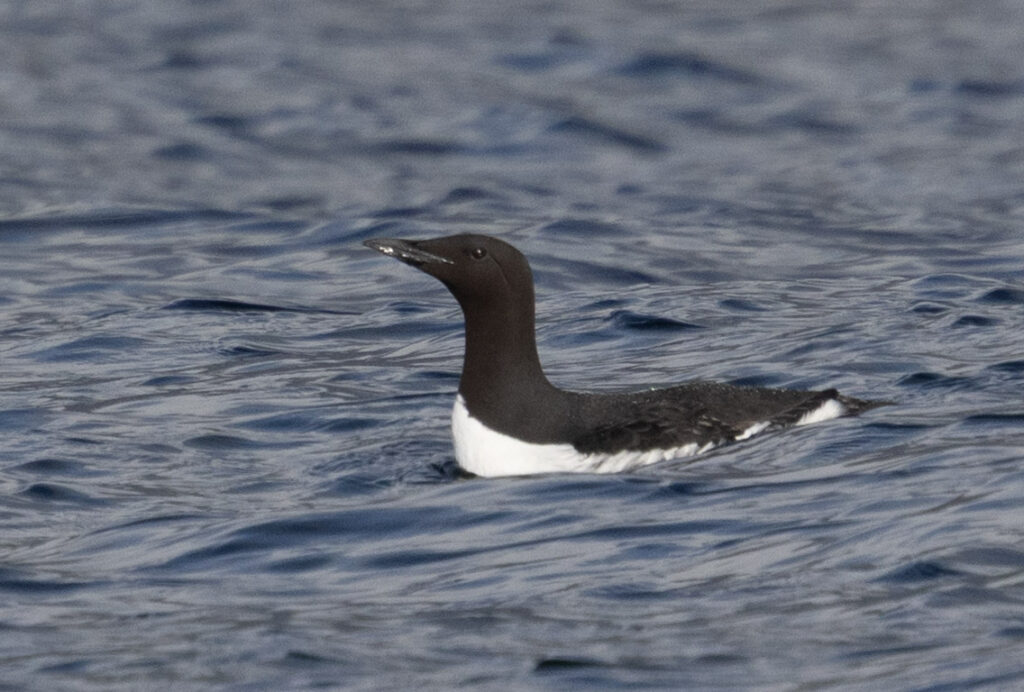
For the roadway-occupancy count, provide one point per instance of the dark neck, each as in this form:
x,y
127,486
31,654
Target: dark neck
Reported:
x,y
501,365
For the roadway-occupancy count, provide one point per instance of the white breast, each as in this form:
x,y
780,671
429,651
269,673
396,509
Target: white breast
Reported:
x,y
489,453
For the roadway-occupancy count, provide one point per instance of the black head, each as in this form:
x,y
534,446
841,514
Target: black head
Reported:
x,y
492,282
480,271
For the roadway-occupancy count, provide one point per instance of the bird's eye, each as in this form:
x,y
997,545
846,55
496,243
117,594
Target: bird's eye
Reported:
x,y
478,253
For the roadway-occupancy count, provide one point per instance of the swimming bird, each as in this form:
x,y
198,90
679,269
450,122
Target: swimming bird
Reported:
x,y
509,420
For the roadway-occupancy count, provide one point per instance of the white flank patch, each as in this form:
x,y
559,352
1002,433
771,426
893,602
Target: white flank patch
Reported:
x,y
752,430
827,411
489,453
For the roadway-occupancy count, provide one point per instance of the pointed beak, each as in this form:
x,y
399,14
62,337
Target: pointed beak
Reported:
x,y
405,250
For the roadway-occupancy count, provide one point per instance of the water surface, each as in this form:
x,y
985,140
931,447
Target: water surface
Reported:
x,y
225,456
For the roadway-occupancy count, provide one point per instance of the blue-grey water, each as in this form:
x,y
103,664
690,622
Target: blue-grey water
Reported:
x,y
224,450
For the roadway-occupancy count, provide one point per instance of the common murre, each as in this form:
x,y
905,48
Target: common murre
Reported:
x,y
510,420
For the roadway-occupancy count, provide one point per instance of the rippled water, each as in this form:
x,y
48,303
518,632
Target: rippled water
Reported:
x,y
225,456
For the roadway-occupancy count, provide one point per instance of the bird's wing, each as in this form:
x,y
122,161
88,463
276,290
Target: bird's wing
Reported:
x,y
657,426
699,412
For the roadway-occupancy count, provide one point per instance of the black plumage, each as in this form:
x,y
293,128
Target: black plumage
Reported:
x,y
505,388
